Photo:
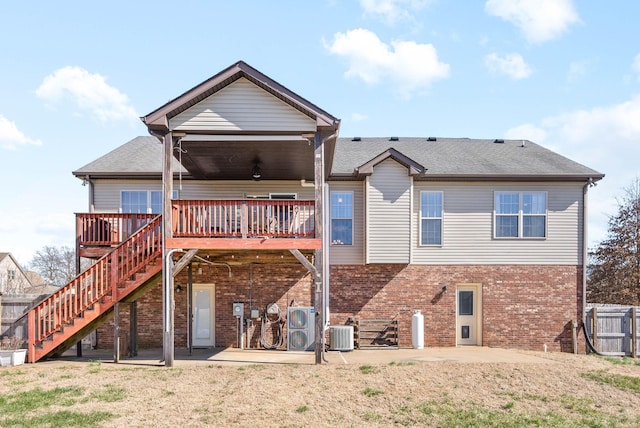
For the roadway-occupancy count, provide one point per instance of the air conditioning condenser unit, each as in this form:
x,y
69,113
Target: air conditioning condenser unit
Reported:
x,y
341,338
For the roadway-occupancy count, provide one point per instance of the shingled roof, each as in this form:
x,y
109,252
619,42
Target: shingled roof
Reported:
x,y
140,157
427,158
460,158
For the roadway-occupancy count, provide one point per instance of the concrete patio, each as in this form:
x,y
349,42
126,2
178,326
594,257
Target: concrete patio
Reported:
x,y
234,356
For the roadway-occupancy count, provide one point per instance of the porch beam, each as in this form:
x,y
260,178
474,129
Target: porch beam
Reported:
x,y
306,263
184,261
244,244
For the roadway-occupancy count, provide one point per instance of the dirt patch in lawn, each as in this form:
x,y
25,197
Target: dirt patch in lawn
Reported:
x,y
560,390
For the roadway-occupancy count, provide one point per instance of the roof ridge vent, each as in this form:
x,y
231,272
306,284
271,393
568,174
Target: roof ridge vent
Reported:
x,y
356,139
394,139
498,141
432,139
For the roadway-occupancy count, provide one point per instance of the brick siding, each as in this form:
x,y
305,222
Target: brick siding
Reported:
x,y
523,307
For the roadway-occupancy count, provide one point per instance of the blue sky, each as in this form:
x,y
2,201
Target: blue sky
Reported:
x,y
77,75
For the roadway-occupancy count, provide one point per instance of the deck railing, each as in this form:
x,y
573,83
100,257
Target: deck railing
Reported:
x,y
243,218
108,229
206,218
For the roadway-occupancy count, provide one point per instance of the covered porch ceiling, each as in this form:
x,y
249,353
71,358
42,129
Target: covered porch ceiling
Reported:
x,y
238,157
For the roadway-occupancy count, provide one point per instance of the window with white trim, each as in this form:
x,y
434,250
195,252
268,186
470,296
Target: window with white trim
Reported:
x,y
520,215
341,218
142,201
431,218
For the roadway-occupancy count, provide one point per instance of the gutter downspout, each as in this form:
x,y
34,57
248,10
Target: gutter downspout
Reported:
x,y
92,194
585,255
326,277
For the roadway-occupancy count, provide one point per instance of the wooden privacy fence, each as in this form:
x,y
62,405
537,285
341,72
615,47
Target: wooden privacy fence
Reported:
x,y
613,329
13,308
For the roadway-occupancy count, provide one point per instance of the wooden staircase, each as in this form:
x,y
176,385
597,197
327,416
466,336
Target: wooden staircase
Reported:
x,y
61,320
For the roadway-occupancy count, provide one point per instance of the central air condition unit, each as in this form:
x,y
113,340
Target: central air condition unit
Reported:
x,y
300,329
341,338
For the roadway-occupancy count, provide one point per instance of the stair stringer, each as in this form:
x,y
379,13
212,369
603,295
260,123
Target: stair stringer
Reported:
x,y
104,317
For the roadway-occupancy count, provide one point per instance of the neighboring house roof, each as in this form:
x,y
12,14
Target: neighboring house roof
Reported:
x,y
36,279
140,157
21,282
458,158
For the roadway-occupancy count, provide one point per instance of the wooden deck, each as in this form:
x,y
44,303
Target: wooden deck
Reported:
x,y
209,224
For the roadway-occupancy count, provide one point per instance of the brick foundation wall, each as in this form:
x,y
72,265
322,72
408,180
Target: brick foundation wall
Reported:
x,y
523,307
286,285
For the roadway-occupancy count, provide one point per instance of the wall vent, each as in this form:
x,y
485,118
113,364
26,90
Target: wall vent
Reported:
x,y
341,338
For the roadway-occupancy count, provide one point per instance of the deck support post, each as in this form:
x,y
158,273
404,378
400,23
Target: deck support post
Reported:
x,y
116,333
318,300
133,329
168,302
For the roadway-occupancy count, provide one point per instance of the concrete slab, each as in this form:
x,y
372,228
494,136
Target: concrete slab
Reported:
x,y
234,356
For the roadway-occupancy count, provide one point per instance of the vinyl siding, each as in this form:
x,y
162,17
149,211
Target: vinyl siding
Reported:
x,y
350,254
242,106
388,207
107,192
468,227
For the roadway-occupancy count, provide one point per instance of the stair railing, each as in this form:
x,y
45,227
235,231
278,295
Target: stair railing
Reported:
x,y
95,283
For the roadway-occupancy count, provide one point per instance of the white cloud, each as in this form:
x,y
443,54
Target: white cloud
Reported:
x,y
11,137
393,11
636,65
539,20
603,138
512,65
89,92
409,65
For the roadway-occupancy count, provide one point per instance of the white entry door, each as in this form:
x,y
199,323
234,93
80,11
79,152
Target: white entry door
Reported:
x,y
468,315
203,316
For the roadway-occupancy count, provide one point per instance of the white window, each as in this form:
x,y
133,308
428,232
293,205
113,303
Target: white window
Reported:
x,y
11,274
341,218
520,215
430,218
142,201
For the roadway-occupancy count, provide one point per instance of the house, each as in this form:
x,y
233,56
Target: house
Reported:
x,y
269,215
13,280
